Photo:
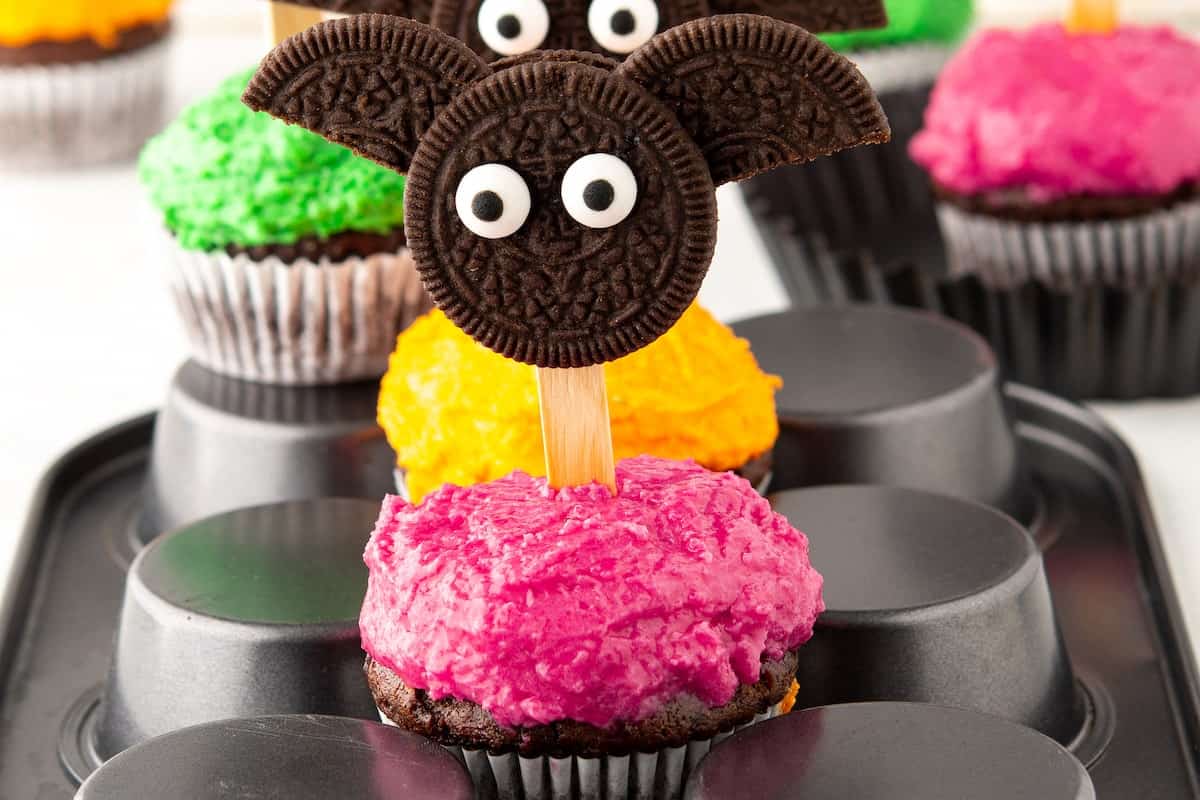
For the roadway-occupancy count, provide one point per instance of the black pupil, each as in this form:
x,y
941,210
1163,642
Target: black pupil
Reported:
x,y
487,206
509,26
622,22
598,195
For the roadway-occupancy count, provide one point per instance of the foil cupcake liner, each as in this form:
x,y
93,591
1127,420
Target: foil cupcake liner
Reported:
x,y
861,212
1137,252
63,115
901,67
638,776
304,323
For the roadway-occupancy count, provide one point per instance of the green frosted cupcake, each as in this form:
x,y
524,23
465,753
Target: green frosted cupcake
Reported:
x,y
838,227
286,253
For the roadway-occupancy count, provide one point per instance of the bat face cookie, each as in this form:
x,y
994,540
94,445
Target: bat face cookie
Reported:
x,y
561,208
498,28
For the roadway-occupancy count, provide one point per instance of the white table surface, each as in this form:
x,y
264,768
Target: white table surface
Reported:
x,y
88,336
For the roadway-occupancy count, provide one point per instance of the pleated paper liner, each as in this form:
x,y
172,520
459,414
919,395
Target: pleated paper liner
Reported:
x,y
637,776
66,115
1086,310
303,323
865,207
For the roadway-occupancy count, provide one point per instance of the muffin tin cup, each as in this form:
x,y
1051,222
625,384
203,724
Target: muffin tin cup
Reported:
x,y
246,613
302,323
63,115
881,751
294,757
637,776
894,397
931,599
870,209
221,443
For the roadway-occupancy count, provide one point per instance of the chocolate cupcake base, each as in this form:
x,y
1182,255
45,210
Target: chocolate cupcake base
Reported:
x,y
307,322
63,115
650,760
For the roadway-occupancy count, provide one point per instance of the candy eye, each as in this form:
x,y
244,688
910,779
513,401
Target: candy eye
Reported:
x,y
599,190
622,26
492,200
512,27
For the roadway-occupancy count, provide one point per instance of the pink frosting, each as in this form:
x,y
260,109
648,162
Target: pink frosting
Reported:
x,y
1059,115
543,605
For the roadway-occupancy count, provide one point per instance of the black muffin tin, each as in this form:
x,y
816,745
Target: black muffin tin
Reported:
x,y
941,599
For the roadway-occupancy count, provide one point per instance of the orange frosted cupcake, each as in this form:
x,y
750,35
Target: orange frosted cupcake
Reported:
x,y
455,412
80,81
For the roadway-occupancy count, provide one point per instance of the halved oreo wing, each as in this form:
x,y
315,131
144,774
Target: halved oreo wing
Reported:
x,y
413,9
816,16
756,93
373,83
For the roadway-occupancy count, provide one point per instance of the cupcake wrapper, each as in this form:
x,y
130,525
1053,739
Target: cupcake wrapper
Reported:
x,y
72,114
1126,254
901,67
303,323
829,223
639,776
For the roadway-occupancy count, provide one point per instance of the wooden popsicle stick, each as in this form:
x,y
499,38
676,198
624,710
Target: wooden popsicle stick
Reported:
x,y
576,434
285,19
1092,16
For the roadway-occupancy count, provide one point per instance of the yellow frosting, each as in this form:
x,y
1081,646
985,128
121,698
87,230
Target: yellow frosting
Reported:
x,y
455,412
23,22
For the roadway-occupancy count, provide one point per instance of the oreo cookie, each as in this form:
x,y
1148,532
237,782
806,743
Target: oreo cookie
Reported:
x,y
499,28
560,211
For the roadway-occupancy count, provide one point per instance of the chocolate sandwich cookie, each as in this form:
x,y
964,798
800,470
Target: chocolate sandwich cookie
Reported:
x,y
455,722
497,28
561,213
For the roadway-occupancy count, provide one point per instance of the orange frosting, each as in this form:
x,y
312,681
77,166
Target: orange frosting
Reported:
x,y
23,22
455,412
789,700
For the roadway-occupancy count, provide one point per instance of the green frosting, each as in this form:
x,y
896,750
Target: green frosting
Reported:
x,y
911,21
224,175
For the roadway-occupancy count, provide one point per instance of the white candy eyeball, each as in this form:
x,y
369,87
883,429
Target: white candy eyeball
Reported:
x,y
492,200
512,27
599,190
622,26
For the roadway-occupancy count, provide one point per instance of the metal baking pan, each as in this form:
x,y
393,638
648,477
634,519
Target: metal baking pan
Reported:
x,y
1115,604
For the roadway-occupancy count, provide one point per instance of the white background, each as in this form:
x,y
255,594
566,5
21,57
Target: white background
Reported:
x,y
88,336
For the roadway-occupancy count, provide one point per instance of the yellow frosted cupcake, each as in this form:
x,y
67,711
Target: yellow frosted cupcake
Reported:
x,y
81,81
455,412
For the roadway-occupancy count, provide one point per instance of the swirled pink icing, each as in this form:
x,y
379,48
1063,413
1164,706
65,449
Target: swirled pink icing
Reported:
x,y
1061,115
543,605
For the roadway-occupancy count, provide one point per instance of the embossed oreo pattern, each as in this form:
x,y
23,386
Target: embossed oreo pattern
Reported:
x,y
373,83
754,96
557,293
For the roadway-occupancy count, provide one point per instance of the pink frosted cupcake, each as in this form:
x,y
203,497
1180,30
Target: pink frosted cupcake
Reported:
x,y
550,634
1072,163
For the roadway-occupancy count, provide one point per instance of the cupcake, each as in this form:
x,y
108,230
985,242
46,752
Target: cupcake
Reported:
x,y
456,412
81,82
1067,169
286,253
573,638
835,225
